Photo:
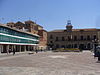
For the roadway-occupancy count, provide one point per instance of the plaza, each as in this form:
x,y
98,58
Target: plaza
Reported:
x,y
50,63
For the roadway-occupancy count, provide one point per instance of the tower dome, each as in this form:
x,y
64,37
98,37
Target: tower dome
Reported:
x,y
69,26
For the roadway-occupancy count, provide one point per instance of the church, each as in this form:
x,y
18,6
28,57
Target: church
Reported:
x,y
73,38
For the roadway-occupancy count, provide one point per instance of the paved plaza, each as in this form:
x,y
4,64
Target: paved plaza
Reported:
x,y
50,63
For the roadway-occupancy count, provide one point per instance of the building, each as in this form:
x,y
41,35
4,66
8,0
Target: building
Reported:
x,y
11,38
43,39
32,27
73,38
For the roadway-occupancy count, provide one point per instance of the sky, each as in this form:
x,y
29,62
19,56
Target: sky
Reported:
x,y
52,14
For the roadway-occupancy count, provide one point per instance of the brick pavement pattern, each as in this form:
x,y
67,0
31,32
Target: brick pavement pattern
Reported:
x,y
50,63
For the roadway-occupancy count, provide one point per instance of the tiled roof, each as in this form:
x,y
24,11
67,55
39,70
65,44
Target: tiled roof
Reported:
x,y
29,21
89,29
42,30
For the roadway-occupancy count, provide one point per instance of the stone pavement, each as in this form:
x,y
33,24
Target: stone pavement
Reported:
x,y
50,63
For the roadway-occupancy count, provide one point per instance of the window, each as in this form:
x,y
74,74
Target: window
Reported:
x,y
88,45
81,37
50,41
69,38
63,39
57,45
75,38
63,46
75,45
94,37
88,37
69,46
51,37
56,38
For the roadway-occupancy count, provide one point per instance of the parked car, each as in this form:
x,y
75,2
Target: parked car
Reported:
x,y
97,52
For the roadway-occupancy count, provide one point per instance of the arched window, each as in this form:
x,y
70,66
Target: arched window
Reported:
x,y
69,46
88,45
63,46
57,45
75,45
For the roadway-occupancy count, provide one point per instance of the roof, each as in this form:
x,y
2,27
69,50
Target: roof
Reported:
x,y
42,30
39,25
29,21
89,29
19,22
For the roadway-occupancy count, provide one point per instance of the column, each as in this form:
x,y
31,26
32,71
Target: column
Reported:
x,y
20,48
33,48
28,48
91,45
86,46
78,45
24,48
0,48
15,47
7,49
12,47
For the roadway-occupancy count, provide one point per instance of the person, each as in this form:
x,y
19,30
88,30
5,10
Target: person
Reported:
x,y
36,51
41,49
14,51
9,50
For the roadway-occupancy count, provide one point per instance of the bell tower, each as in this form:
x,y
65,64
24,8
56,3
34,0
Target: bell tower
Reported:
x,y
69,26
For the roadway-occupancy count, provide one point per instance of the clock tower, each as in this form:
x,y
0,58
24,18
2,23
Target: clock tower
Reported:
x,y
69,26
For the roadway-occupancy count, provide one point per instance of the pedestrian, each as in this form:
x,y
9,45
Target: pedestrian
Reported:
x,y
41,49
36,51
9,50
13,51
